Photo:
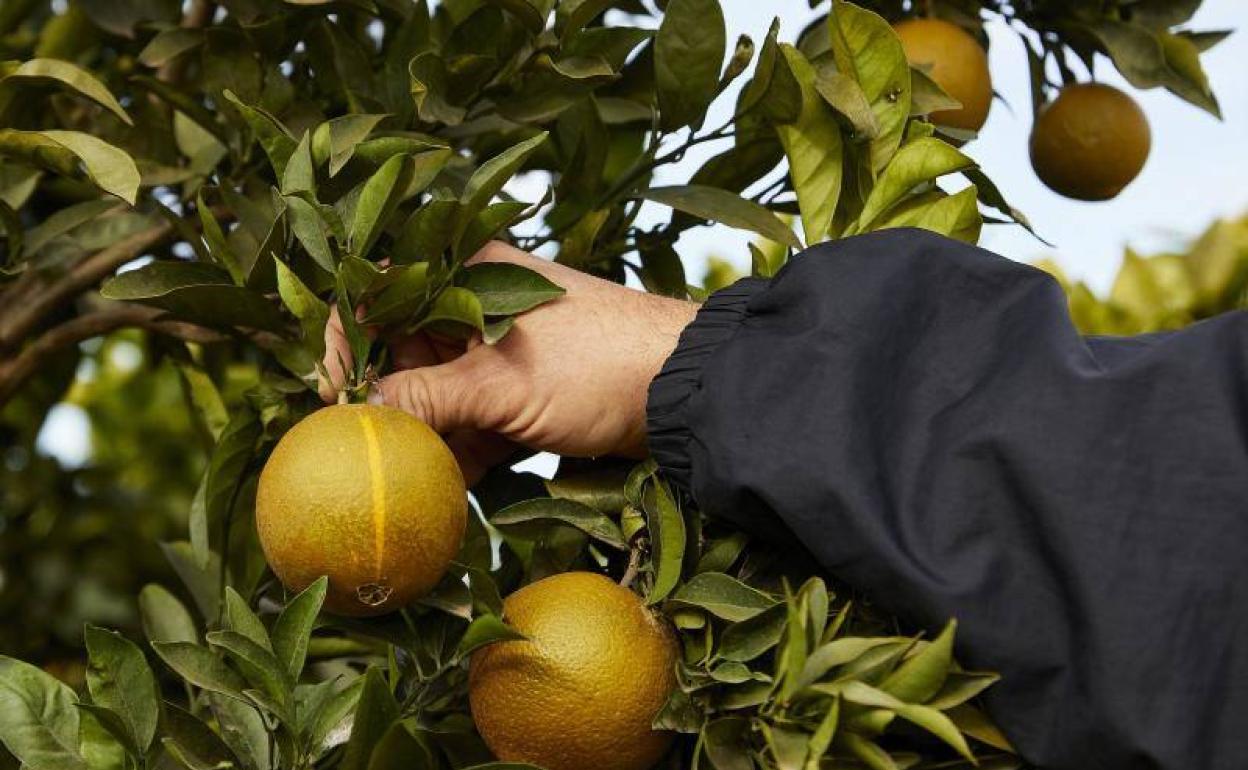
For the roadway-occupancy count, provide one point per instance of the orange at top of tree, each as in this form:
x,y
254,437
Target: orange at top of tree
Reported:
x,y
956,62
1090,142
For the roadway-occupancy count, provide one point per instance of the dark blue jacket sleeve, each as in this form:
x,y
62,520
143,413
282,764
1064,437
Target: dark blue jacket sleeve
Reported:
x,y
925,418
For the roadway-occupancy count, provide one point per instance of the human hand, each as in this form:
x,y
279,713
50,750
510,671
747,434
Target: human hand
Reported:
x,y
571,377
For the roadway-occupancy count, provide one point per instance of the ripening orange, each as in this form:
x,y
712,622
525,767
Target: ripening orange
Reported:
x,y
367,495
581,691
1090,142
955,60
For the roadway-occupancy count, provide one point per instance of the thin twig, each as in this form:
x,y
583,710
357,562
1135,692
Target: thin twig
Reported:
x,y
634,566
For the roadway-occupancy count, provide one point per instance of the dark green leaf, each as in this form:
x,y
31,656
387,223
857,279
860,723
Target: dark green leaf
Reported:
x,y
667,538
165,618
240,619
486,629
380,197
589,520
725,207
722,596
108,167
377,710
193,742
38,720
197,293
200,667
506,289
688,54
71,76
120,680
293,629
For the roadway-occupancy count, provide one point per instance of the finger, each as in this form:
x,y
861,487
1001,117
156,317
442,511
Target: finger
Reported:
x,y
338,360
443,396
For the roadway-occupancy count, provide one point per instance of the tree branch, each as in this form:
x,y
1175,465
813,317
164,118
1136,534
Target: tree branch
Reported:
x,y
14,373
22,319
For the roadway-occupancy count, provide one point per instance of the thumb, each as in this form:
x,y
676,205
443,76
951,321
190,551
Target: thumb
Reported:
x,y
444,396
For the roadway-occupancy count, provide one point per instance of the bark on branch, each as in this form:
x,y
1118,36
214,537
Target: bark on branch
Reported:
x,y
14,373
18,321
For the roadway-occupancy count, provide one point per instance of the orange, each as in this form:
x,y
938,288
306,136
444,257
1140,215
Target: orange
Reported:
x,y
367,495
1090,142
581,692
955,60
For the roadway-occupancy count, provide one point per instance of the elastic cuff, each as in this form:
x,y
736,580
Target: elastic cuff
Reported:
x,y
681,376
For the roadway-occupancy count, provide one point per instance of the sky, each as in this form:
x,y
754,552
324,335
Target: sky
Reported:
x,y
1197,171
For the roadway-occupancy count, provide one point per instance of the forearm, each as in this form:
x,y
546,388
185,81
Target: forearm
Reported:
x,y
923,416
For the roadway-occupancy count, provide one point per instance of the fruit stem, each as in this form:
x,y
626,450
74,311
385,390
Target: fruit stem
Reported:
x,y
634,566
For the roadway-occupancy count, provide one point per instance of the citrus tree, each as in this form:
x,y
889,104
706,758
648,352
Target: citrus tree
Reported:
x,y
222,175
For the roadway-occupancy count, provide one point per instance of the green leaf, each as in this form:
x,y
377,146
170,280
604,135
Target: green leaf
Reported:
x,y
377,710
401,297
120,680
312,312
667,538
507,289
335,141
865,46
309,228
927,718
276,141
71,76
688,54
62,222
1149,58
300,175
486,629
456,306
922,675
169,44
381,195
589,520
240,619
203,583
191,741
293,629
38,720
814,147
243,730
727,742
336,710
920,161
723,596
108,167
750,638
598,485
531,13
841,651
102,739
230,457
821,738
724,207
843,94
488,224
165,618
489,178
195,292
868,752
200,667
960,687
259,667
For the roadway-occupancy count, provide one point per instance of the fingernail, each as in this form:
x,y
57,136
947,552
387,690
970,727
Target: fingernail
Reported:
x,y
374,396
